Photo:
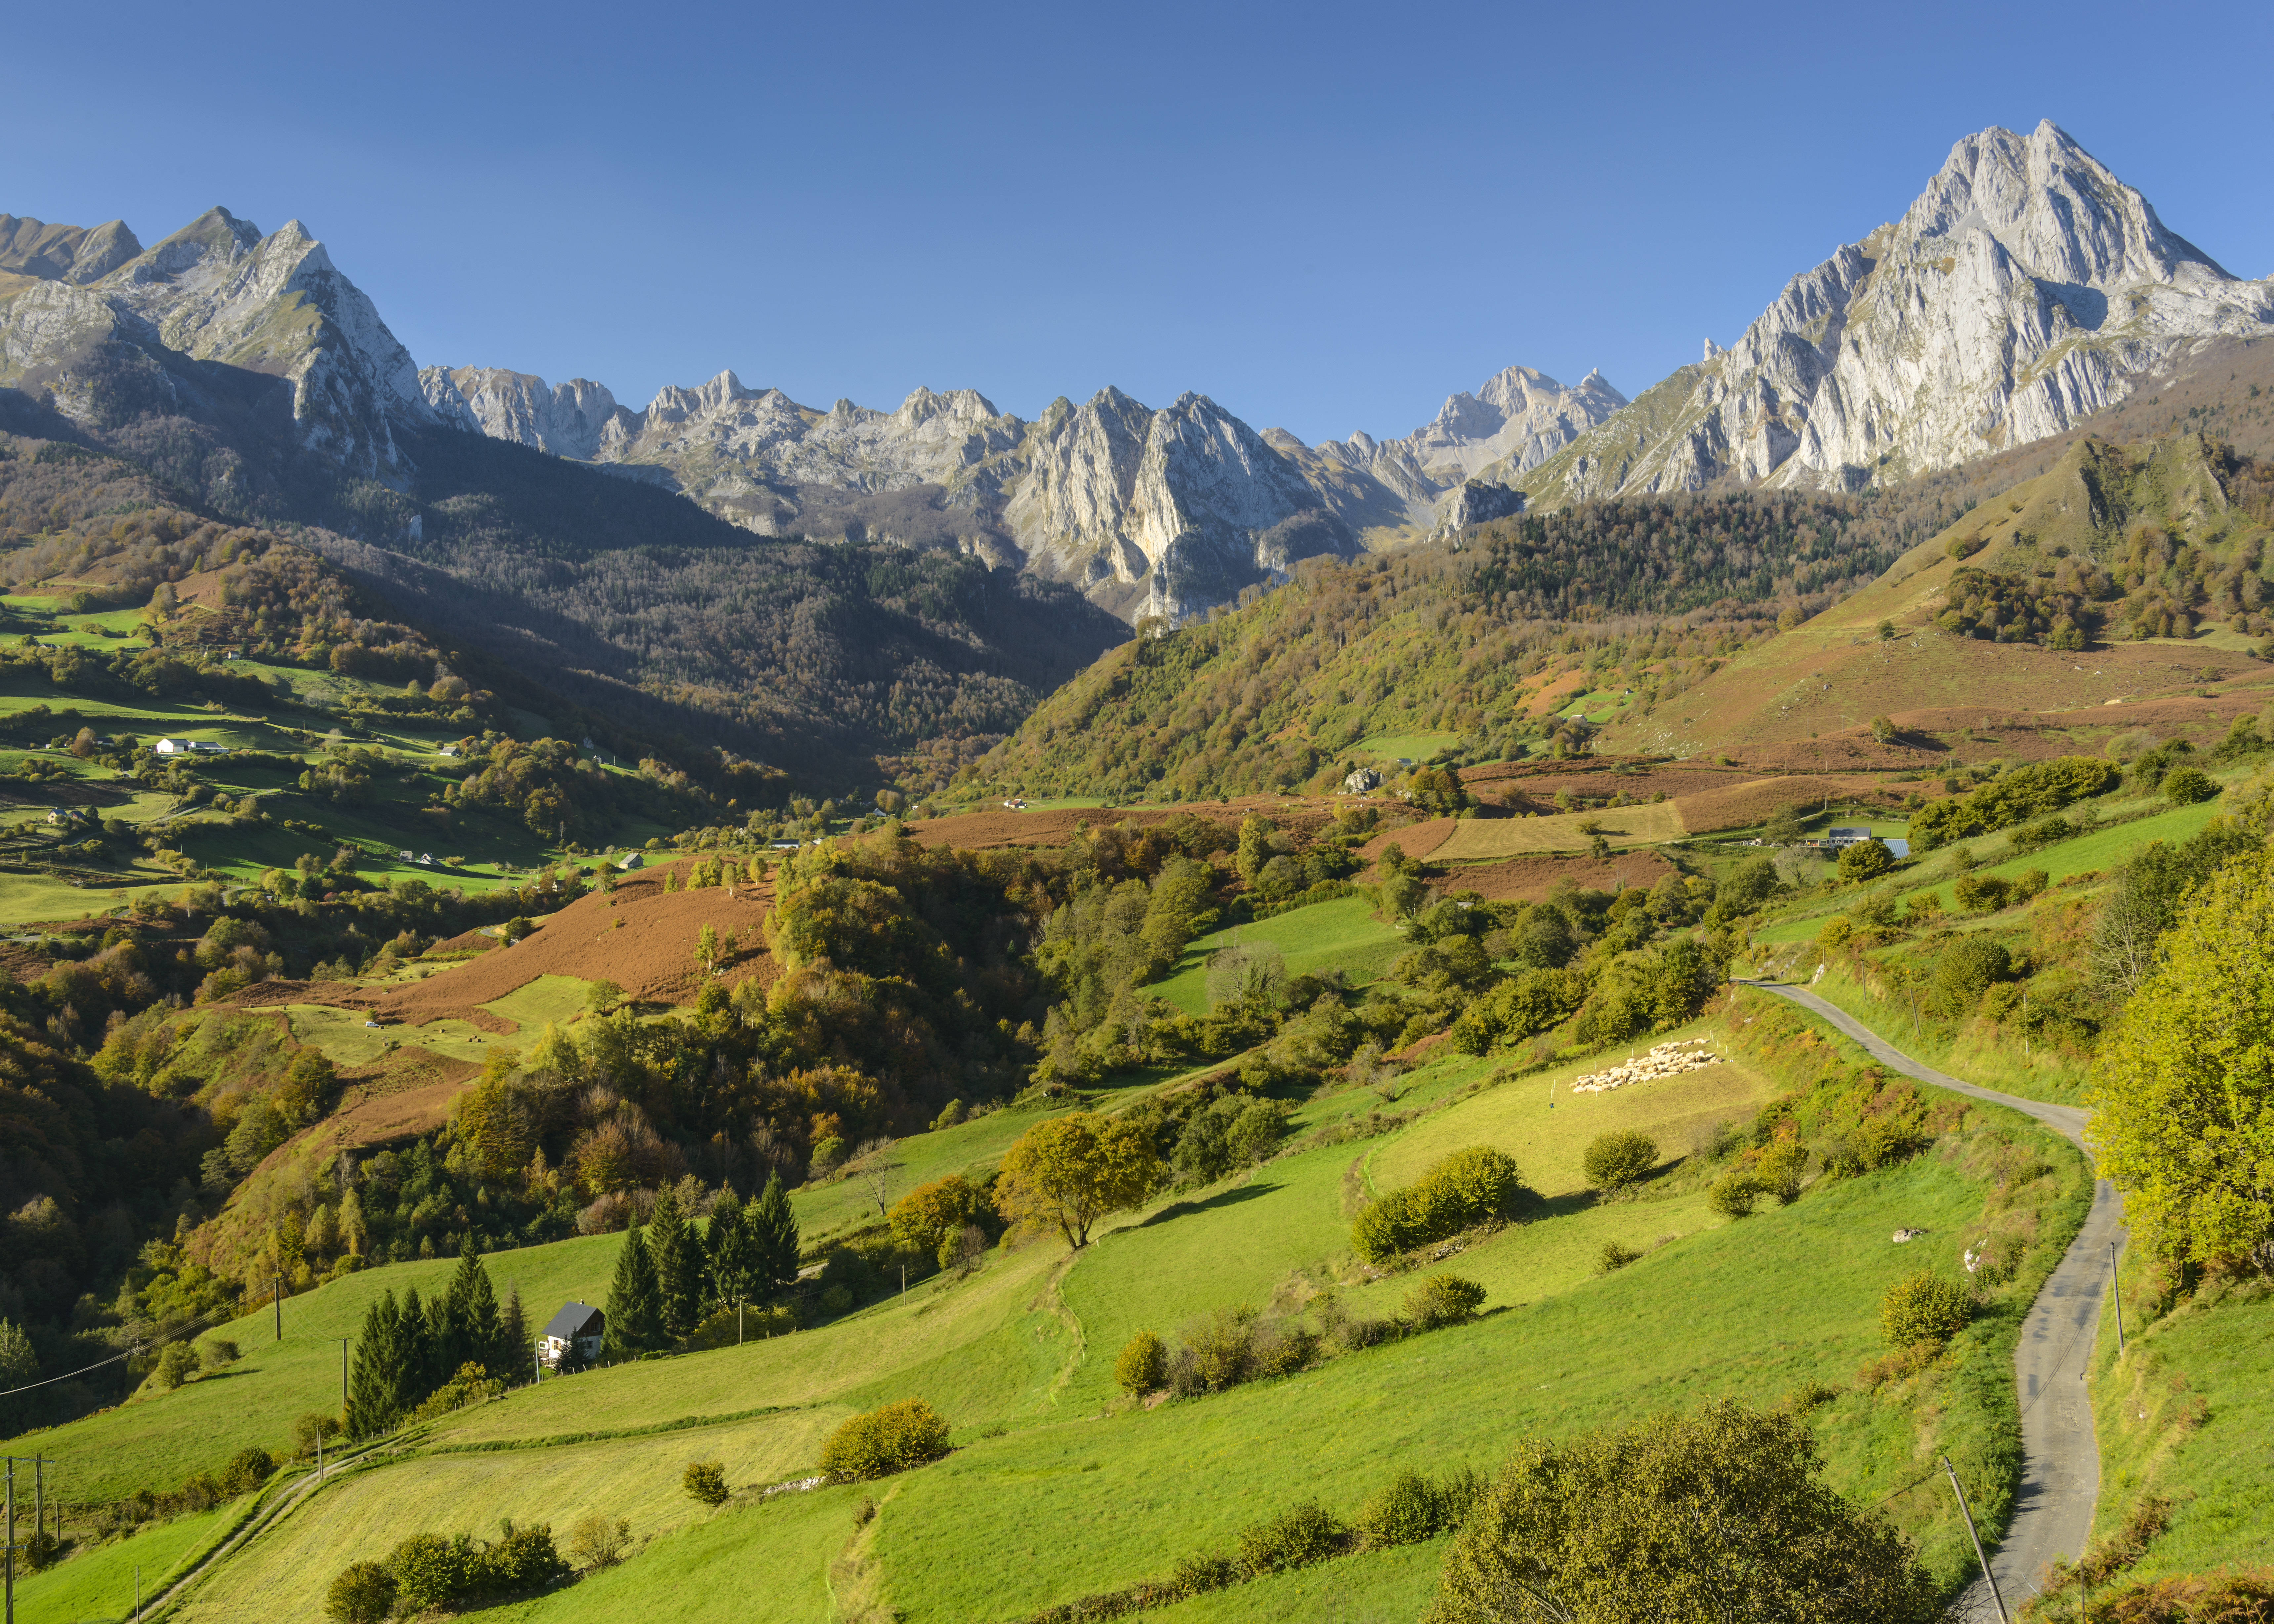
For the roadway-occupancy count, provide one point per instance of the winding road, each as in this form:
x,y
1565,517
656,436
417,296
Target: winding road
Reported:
x,y
2060,1459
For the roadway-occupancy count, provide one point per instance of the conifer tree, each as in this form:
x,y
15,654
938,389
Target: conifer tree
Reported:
x,y
730,1260
678,1266
473,1318
374,1389
634,1301
773,1237
515,1348
414,1344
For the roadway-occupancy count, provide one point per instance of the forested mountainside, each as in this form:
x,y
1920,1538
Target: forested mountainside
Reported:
x,y
1646,596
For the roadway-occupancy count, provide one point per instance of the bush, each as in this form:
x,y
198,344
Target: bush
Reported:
x,y
596,1542
219,1351
1143,1364
885,1441
1865,859
1966,971
1197,1575
364,1593
1219,1348
247,1469
1443,1299
705,1482
431,1571
1734,1194
1778,1171
1295,1538
1615,1160
1402,1512
523,1560
1720,1514
177,1362
2189,785
2026,793
1923,1307
1980,893
315,1424
1615,1257
1466,1188
1835,933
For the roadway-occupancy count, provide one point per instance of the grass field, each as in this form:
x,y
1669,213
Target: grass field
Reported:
x,y
2186,1412
1474,839
100,1585
1339,935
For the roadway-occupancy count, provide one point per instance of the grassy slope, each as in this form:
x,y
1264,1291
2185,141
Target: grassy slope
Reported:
x,y
100,1584
1327,934
2186,1412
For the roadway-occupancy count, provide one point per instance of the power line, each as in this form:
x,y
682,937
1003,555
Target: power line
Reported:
x,y
195,1327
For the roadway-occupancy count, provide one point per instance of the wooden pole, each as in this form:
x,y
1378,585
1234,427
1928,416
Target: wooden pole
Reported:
x,y
2116,1290
1967,1511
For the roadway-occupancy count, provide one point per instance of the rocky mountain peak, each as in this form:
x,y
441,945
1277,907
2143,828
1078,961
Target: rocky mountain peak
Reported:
x,y
39,252
2025,288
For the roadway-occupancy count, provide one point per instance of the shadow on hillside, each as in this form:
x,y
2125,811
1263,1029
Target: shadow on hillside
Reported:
x,y
1562,1205
1230,1197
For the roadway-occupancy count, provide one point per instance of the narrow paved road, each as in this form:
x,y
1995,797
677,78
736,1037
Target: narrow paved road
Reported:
x,y
2060,1460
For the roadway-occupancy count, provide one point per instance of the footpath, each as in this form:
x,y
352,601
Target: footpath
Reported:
x,y
2060,1457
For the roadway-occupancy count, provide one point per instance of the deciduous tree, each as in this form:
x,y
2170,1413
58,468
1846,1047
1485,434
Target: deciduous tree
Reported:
x,y
1068,1172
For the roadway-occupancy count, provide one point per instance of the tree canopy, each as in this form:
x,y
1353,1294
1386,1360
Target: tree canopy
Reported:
x,y
2183,1090
1070,1171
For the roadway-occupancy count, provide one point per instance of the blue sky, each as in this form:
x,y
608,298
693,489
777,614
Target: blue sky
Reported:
x,y
1326,217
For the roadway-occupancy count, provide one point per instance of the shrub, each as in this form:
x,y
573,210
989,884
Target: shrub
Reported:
x,y
1734,1194
1295,1538
889,1439
1778,1171
1728,1504
1219,1348
522,1560
1443,1299
1615,1160
705,1482
2189,785
364,1593
176,1362
1466,1188
1965,972
246,1470
1281,1348
1981,893
1143,1364
1835,933
431,1571
597,1542
1865,859
1615,1257
315,1424
219,1351
2026,793
1402,1512
1923,1307
1197,1575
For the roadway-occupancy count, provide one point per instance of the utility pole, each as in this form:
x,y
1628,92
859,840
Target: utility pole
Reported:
x,y
11,1539
2116,1290
277,1285
738,1323
1967,1511
343,1373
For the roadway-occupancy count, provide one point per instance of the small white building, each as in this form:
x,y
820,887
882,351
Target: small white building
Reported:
x,y
189,747
632,860
577,1328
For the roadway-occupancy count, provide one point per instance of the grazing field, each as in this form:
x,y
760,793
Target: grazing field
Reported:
x,y
100,1584
1339,935
1481,837
1531,878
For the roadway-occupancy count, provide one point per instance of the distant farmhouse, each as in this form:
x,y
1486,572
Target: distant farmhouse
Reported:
x,y
576,1330
189,747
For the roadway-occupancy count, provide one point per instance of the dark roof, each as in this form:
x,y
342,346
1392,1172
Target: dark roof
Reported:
x,y
576,1319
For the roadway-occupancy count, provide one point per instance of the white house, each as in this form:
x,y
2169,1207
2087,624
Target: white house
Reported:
x,y
187,747
578,1326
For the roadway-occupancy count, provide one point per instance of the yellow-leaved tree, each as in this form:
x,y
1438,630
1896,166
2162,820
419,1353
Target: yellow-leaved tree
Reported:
x,y
1070,1171
2183,1089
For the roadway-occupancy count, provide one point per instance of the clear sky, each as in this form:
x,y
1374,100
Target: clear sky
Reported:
x,y
1326,217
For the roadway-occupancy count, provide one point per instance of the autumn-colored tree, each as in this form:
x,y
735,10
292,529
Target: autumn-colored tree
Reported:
x,y
931,1215
2183,1090
1068,1172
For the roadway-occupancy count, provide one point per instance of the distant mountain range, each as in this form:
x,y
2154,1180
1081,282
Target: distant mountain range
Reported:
x,y
2025,287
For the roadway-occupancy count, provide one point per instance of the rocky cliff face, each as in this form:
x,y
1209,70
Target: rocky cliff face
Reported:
x,y
217,291
2026,288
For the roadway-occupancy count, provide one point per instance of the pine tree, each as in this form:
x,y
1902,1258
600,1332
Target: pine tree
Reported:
x,y
515,1348
414,1341
729,1257
772,1229
375,1398
473,1317
634,1301
678,1266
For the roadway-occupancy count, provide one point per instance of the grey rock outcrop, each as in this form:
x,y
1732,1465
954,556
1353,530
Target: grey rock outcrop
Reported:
x,y
2026,288
567,420
216,291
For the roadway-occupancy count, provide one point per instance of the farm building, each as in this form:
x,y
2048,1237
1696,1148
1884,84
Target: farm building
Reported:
x,y
186,747
578,1326
632,860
